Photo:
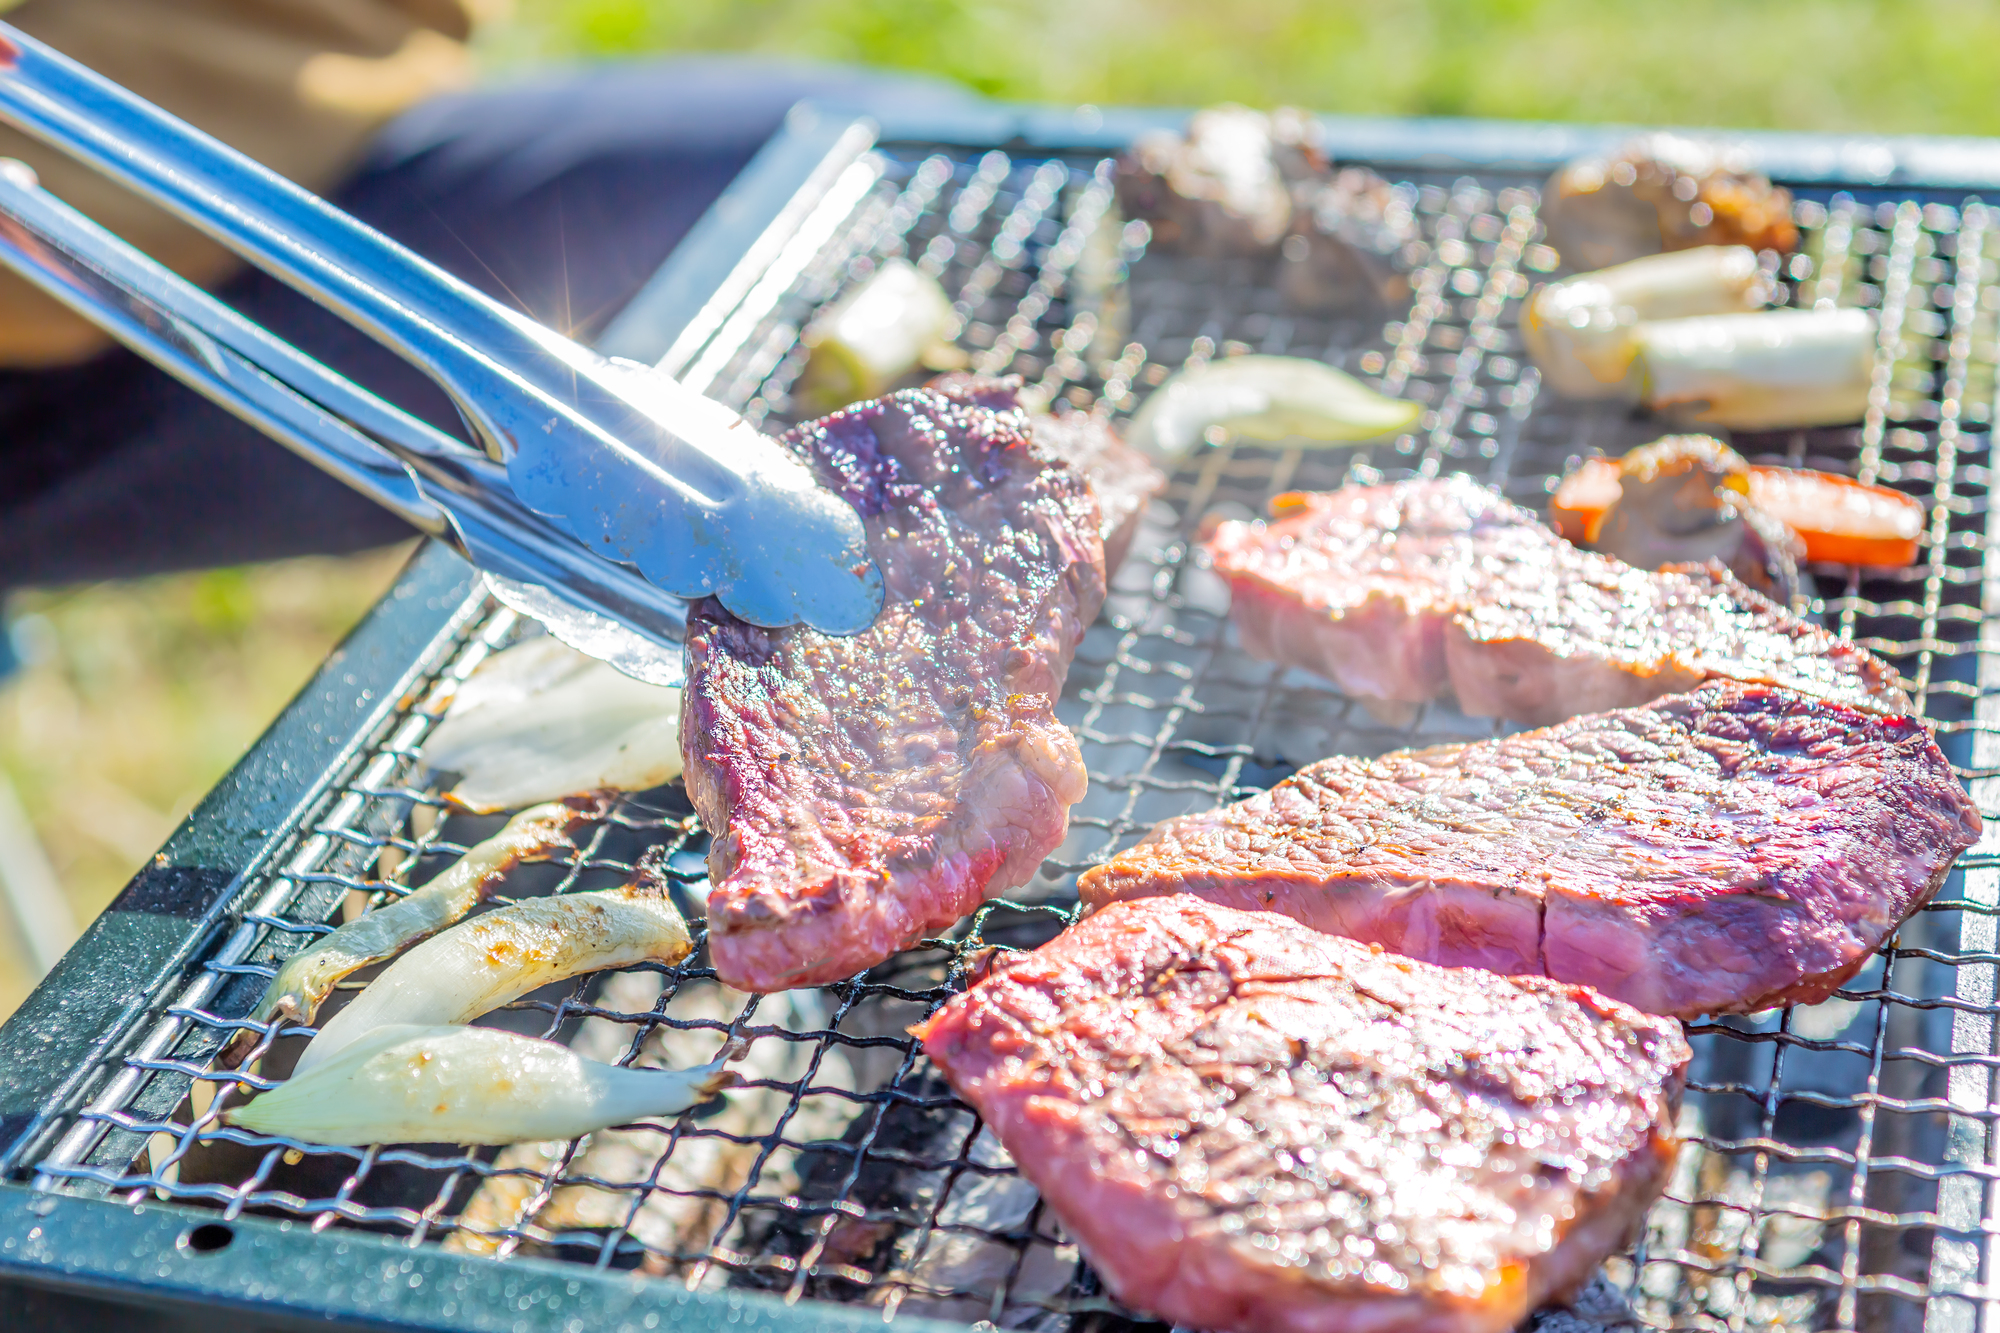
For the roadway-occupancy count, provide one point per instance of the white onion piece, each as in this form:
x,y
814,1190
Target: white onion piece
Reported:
x,y
897,320
481,964
541,721
416,1084
307,976
1263,398
1751,372
1582,331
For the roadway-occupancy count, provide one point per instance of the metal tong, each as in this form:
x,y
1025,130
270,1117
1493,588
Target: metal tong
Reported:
x,y
608,493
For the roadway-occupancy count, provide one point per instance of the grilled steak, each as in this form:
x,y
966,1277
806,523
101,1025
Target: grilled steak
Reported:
x,y
1396,592
862,791
1722,851
1251,1126
1123,479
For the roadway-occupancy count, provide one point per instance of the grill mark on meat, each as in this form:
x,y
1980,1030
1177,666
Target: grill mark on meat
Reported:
x,y
1123,479
864,791
1723,851
1400,592
1249,1125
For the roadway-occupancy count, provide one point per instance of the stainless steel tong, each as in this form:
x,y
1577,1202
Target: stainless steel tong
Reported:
x,y
607,494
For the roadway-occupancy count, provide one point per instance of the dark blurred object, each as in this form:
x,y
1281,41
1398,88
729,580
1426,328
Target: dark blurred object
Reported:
x,y
1224,186
1343,230
1663,192
1240,183
299,85
1686,500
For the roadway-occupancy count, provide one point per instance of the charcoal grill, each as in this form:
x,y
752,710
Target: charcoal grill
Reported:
x,y
1842,1157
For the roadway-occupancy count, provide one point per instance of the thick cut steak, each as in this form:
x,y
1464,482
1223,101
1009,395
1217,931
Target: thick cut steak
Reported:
x,y
862,791
1722,851
1396,592
1251,1127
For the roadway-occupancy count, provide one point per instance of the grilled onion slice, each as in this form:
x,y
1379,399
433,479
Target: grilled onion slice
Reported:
x,y
481,964
1263,398
309,975
541,721
411,1083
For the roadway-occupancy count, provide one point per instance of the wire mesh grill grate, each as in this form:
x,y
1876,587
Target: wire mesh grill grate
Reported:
x,y
1842,1157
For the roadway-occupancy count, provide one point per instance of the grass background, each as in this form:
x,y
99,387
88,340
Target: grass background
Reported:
x,y
1862,65
140,695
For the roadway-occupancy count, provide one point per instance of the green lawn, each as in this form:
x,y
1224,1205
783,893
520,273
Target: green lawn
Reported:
x,y
142,694
1864,65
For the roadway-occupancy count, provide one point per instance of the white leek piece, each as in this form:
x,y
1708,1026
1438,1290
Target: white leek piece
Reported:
x,y
1765,370
1582,331
307,976
481,964
679,1180
1263,398
415,1084
541,721
897,320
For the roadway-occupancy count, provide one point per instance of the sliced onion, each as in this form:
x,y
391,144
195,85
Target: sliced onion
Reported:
x,y
541,721
421,1084
309,975
1263,398
481,964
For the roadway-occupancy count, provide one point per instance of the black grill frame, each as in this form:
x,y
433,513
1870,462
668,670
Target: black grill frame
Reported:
x,y
202,916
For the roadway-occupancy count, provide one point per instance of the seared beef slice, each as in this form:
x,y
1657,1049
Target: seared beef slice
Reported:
x,y
1123,479
1716,852
1396,592
864,791
1253,1127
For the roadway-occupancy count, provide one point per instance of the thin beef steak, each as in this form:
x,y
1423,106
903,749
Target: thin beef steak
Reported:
x,y
1251,1127
1123,479
1714,852
1396,592
862,791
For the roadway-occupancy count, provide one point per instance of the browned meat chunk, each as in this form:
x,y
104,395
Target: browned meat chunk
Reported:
x,y
1663,192
1225,185
1686,499
864,791
1338,257
1717,852
1239,182
1396,592
1254,1128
